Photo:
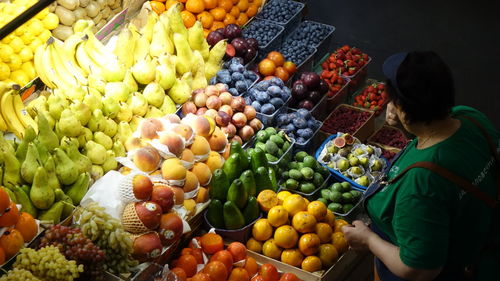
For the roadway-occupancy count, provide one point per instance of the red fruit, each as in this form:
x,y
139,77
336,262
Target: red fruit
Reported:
x,y
171,228
163,196
181,274
188,263
149,213
147,246
238,251
225,257
230,51
289,277
269,272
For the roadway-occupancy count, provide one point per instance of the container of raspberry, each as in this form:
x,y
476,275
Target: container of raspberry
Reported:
x,y
356,121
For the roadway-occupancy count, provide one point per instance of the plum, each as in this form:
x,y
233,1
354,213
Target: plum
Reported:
x,y
277,102
299,90
301,140
253,43
240,45
323,87
314,96
274,91
236,60
300,123
262,97
268,109
232,31
241,86
233,91
214,37
307,133
290,128
277,82
263,85
304,113
237,76
307,104
256,105
311,80
250,54
312,124
282,119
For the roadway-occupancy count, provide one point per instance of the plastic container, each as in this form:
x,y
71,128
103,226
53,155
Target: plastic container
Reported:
x,y
274,43
362,132
240,235
310,196
268,120
359,77
333,101
293,22
286,154
305,145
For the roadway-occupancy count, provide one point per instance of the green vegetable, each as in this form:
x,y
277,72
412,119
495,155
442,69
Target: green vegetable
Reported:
x,y
251,211
307,187
277,140
272,177
307,173
325,194
291,184
236,148
335,196
346,197
295,174
299,156
309,161
262,180
232,167
346,208
318,179
237,194
258,160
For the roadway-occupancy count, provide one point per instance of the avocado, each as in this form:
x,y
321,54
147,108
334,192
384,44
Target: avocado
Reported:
x,y
307,173
251,211
215,214
337,187
233,218
307,187
356,194
237,194
291,184
295,174
299,156
271,148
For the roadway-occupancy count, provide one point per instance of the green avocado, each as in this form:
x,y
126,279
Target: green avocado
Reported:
x,y
318,179
325,194
291,184
237,194
251,211
233,218
307,187
215,214
219,185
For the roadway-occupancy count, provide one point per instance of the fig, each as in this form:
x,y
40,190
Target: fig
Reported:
x,y
214,102
246,133
238,104
227,109
249,112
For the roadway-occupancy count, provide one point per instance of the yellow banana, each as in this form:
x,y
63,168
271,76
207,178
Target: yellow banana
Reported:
x,y
41,67
65,67
9,114
84,60
111,69
22,113
3,89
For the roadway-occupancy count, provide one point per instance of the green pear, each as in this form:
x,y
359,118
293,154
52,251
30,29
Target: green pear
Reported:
x,y
69,125
342,164
93,99
56,104
110,107
180,91
77,190
356,170
50,168
103,139
37,105
165,72
154,94
363,161
358,151
353,161
75,93
110,163
41,194
11,169
22,148
95,152
96,172
6,146
129,81
42,150
138,103
168,106
111,127
119,149
66,170
124,132
31,164
81,161
46,136
362,181
125,113
116,90
134,123
48,117
53,214
85,137
82,112
153,112
144,71
96,82
369,150
97,121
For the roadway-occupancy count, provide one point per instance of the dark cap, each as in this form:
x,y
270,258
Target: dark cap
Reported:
x,y
391,66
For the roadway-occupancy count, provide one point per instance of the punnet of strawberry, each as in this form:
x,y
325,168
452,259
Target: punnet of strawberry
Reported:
x,y
373,97
390,137
334,80
346,61
346,120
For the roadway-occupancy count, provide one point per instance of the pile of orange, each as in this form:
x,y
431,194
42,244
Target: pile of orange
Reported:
x,y
213,14
297,232
274,65
22,228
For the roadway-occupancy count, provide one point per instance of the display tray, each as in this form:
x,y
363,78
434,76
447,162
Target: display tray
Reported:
x,y
305,146
292,23
240,235
310,196
368,81
268,120
274,43
286,154
363,132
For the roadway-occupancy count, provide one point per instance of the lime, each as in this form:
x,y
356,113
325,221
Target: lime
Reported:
x,y
318,179
346,208
291,184
299,157
346,197
337,187
295,174
335,196
335,207
307,173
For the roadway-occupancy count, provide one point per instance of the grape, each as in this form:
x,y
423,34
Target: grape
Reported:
x,y
108,234
47,263
75,246
19,275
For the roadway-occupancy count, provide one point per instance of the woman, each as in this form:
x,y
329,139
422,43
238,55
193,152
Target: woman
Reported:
x,y
424,225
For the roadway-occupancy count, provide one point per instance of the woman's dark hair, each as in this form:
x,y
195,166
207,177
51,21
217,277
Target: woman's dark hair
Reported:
x,y
426,91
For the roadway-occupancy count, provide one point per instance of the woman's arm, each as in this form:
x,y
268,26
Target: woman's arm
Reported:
x,y
360,237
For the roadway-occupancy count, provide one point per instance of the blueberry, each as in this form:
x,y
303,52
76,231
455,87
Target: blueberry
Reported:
x,y
268,109
262,97
300,123
277,102
241,86
233,91
237,76
256,105
304,113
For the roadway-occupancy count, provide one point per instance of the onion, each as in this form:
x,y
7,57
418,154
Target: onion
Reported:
x,y
66,16
68,4
92,9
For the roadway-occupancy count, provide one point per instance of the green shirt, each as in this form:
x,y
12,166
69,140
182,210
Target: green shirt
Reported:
x,y
431,220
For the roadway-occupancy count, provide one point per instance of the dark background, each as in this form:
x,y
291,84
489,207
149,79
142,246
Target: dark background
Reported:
x,y
465,33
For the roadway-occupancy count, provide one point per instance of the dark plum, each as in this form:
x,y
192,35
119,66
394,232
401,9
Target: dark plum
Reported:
x,y
250,54
299,91
323,87
253,43
311,79
240,45
214,37
307,104
314,96
232,31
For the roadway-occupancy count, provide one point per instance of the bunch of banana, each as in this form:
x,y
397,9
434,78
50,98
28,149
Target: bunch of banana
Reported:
x,y
13,117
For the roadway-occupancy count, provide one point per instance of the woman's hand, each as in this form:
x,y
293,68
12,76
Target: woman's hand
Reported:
x,y
391,116
358,235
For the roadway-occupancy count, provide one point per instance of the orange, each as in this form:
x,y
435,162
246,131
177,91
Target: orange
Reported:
x,y
282,195
243,5
324,232
211,243
11,242
276,57
292,257
269,272
267,67
218,13
157,6
210,4
195,6
235,11
262,230
181,274
282,74
188,18
304,222
201,277
311,264
251,266
294,204
242,19
206,19
252,10
277,216
4,200
216,269
2,256
257,2
10,216
239,274
286,236
254,245
170,3
290,67
330,218
328,255
216,25
338,225
224,257
237,250
188,263
27,226
317,209
227,5
267,199
289,277
339,242
271,249
229,19
309,244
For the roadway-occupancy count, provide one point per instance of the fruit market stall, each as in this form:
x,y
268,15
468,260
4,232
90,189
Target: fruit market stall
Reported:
x,y
200,139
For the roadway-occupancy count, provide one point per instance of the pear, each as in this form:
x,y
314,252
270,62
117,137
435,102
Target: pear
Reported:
x,y
153,112
66,170
96,172
56,104
168,106
113,70
144,71
95,152
160,42
82,112
363,161
93,99
37,105
76,93
48,117
103,139
165,72
141,48
358,151
97,121
363,180
84,137
69,125
134,123
147,30
119,149
41,194
110,107
154,94
138,103
5,145
110,163
119,91
50,168
129,81
43,152
77,191
125,114
82,162
11,169
22,148
356,170
96,82
125,55
353,161
188,78
180,91
46,136
199,80
124,132
31,163
111,127
53,214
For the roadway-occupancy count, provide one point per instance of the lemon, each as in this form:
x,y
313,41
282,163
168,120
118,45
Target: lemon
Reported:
x,y
45,35
17,44
36,27
20,30
7,39
15,62
19,77
35,43
51,21
27,37
29,69
26,54
6,52
42,14
4,71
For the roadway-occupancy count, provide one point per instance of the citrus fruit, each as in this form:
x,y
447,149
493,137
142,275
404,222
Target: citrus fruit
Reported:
x,y
292,257
20,77
251,266
50,21
227,5
170,3
270,249
229,19
294,204
216,25
311,264
211,243
216,269
269,272
317,209
289,277
206,19
210,4
242,19
290,67
276,57
338,225
304,222
237,250
267,199
15,62
27,226
225,257
4,71
218,13
188,18
157,6
235,11
324,232
328,255
11,242
26,54
180,273
339,242
252,10
6,52
195,6
267,67
309,244
277,216
282,195
239,274
282,74
188,263
200,276
29,69
286,236
243,5
254,245
10,215
16,44
262,230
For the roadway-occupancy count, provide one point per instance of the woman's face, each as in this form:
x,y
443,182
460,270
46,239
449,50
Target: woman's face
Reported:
x,y
395,115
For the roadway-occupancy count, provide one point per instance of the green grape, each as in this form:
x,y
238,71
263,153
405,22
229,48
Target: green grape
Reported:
x,y
17,274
